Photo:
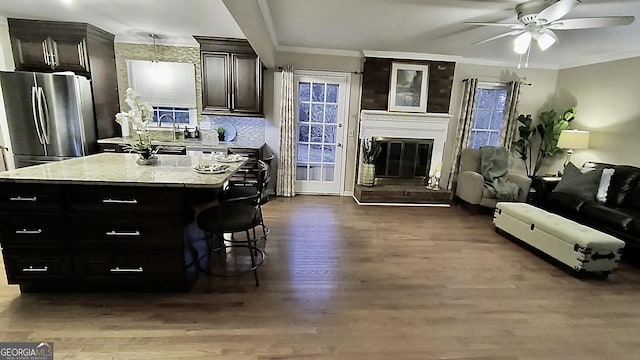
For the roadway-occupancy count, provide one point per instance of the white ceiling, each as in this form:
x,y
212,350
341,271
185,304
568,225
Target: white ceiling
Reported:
x,y
351,26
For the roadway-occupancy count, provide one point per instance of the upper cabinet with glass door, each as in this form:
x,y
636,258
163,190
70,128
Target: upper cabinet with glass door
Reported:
x,y
231,77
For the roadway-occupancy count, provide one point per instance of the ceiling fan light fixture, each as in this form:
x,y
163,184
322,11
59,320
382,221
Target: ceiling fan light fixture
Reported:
x,y
522,42
544,40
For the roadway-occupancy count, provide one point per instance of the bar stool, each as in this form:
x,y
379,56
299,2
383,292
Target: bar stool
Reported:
x,y
233,216
258,185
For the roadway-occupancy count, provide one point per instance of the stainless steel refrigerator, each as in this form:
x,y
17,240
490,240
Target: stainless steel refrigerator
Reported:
x,y
49,117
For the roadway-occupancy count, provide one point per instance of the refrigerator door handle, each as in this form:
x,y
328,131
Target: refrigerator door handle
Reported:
x,y
44,114
34,108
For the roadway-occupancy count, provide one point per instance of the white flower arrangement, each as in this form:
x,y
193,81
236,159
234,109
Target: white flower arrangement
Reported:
x,y
138,118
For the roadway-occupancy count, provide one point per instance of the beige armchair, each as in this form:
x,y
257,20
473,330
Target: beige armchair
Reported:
x,y
470,186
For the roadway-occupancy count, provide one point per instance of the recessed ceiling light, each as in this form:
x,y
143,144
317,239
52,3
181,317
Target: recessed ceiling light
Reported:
x,y
67,2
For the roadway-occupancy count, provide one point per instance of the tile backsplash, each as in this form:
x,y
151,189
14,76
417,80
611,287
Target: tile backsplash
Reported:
x,y
249,129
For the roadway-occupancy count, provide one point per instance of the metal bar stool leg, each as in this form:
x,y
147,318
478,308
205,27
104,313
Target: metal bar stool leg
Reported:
x,y
253,248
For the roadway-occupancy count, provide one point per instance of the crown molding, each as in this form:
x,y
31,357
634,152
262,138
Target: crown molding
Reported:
x,y
268,21
410,55
601,59
318,51
510,64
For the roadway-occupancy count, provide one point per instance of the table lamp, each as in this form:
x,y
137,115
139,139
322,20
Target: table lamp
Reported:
x,y
573,140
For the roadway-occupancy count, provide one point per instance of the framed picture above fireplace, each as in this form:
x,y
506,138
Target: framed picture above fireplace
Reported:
x,y
408,87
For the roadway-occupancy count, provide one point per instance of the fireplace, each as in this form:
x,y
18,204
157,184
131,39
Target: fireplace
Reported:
x,y
403,160
413,145
414,139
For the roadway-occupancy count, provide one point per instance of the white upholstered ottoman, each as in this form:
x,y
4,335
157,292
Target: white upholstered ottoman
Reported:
x,y
578,246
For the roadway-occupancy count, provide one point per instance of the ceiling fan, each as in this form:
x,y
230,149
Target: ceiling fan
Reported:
x,y
538,18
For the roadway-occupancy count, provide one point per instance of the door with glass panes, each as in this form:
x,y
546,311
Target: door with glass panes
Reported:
x,y
322,103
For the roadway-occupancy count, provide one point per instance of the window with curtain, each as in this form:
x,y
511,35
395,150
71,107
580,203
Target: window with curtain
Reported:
x,y
488,114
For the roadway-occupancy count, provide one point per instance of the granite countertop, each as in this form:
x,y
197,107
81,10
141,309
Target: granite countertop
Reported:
x,y
121,169
190,143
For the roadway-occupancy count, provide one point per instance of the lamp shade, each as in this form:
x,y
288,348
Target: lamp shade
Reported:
x,y
573,139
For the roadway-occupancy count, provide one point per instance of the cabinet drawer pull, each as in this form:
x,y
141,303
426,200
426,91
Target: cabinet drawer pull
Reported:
x,y
29,232
108,150
32,269
127,270
20,198
123,233
116,201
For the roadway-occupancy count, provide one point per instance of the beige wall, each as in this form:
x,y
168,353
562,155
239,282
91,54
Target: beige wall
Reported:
x,y
533,99
320,63
607,101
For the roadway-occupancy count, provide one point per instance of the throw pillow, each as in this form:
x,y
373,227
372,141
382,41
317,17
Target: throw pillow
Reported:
x,y
578,184
605,180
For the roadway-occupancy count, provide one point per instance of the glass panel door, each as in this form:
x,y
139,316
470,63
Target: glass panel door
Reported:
x,y
322,105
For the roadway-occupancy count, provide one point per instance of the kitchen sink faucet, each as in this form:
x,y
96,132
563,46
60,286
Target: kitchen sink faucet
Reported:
x,y
173,124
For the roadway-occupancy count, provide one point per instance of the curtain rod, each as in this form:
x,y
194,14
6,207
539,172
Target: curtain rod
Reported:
x,y
499,83
350,72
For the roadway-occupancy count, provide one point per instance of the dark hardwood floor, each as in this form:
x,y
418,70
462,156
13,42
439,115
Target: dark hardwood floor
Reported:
x,y
343,281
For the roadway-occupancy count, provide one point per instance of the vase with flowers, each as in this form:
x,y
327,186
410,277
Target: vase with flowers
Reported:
x,y
370,151
137,118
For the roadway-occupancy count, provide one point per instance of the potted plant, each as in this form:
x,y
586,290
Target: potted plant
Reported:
x,y
539,141
220,131
138,117
370,151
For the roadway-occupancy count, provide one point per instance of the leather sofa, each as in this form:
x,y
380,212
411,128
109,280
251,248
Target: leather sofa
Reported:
x,y
618,215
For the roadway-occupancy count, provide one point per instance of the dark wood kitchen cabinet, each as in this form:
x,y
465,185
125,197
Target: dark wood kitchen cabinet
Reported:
x,y
33,235
231,77
83,237
52,46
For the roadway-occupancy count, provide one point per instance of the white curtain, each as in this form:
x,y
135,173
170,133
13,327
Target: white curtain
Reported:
x,y
286,179
510,125
464,129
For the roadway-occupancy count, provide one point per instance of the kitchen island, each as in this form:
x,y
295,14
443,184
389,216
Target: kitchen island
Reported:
x,y
102,222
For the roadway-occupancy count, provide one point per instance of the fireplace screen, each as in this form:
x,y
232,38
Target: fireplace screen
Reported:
x,y
403,158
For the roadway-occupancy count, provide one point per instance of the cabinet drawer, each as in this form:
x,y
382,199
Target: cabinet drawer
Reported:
x,y
29,266
31,230
125,232
114,148
120,266
30,197
124,199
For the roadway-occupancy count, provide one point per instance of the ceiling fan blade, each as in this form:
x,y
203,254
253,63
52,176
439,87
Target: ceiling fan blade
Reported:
x,y
512,26
510,33
555,11
588,23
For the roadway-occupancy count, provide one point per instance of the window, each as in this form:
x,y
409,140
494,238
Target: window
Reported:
x,y
488,115
183,116
169,87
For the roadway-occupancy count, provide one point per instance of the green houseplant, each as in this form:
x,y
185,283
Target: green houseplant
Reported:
x,y
221,132
539,141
